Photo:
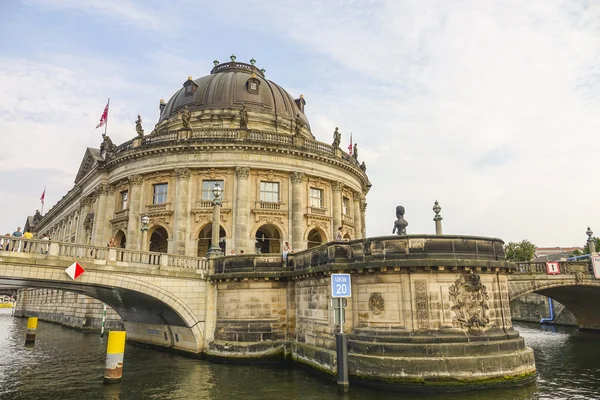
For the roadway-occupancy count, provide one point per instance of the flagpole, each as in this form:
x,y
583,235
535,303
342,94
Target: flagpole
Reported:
x,y
43,200
106,123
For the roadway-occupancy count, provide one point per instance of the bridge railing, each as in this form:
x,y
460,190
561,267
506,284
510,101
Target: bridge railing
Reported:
x,y
136,258
564,268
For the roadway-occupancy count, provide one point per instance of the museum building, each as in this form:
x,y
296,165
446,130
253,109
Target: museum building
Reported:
x,y
232,128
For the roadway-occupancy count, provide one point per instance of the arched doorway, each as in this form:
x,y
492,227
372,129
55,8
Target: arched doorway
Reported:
x,y
314,239
267,240
347,237
159,240
205,240
121,239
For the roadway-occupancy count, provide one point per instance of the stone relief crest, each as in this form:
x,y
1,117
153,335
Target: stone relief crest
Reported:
x,y
470,300
376,303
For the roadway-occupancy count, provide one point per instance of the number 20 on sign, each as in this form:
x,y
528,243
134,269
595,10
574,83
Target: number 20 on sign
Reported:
x,y
341,285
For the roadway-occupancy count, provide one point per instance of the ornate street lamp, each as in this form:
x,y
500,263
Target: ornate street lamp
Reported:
x,y
591,244
437,218
215,250
144,228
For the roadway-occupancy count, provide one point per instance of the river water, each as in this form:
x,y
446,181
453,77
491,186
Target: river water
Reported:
x,y
67,364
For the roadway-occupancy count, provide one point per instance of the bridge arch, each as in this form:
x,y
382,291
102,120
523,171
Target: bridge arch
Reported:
x,y
580,296
146,308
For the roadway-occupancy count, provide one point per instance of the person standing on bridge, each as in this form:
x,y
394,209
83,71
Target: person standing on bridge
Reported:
x,y
286,249
44,246
17,234
27,235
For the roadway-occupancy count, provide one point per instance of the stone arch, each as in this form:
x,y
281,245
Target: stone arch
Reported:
x,y
309,238
203,238
102,285
200,227
271,236
120,238
159,238
580,298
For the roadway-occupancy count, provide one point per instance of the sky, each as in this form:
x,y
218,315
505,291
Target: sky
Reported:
x,y
490,107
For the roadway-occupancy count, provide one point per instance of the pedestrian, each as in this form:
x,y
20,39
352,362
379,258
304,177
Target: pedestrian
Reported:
x,y
286,249
6,242
232,253
241,252
44,246
112,242
27,235
17,234
339,235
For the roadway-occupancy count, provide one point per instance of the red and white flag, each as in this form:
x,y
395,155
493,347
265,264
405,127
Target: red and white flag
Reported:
x,y
350,145
43,196
104,117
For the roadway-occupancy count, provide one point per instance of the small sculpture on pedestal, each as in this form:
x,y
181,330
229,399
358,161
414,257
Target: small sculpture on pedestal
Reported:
x,y
186,116
400,224
138,127
107,148
355,152
337,138
363,166
243,118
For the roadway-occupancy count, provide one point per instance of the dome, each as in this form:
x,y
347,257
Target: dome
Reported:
x,y
228,89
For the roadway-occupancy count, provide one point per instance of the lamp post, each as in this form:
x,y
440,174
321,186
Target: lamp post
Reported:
x,y
437,218
591,241
145,221
215,250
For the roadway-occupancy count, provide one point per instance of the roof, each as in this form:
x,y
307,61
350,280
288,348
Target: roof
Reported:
x,y
542,251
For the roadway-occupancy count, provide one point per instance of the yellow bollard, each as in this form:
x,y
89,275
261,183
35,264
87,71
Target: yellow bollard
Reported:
x,y
31,327
114,357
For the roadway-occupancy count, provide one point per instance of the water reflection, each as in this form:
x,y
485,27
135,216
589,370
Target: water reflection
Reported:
x,y
66,364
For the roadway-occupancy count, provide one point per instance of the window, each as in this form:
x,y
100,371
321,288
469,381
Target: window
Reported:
x,y
207,187
345,205
316,198
160,193
124,196
269,192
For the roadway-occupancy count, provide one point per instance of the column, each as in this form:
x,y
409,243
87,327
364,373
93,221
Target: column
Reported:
x,y
135,208
240,235
336,189
182,209
100,214
109,214
357,219
297,211
363,209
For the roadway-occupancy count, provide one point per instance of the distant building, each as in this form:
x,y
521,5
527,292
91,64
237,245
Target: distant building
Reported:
x,y
554,253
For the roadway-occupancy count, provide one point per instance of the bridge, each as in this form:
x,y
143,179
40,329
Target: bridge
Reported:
x,y
160,297
575,287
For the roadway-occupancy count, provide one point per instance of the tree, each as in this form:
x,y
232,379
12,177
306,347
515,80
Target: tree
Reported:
x,y
520,251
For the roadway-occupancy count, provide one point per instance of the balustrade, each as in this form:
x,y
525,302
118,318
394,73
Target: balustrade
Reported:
x,y
266,205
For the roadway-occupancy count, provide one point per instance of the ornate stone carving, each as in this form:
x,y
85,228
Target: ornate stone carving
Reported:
x,y
85,201
243,118
400,224
269,219
103,189
242,172
422,304
121,226
376,303
107,147
363,205
111,190
136,180
579,277
337,186
337,138
271,175
183,173
186,116
470,299
297,177
138,127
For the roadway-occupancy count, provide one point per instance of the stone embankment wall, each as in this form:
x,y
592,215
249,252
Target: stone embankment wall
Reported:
x,y
66,308
532,307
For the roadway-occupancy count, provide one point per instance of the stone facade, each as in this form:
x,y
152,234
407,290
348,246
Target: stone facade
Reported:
x,y
532,307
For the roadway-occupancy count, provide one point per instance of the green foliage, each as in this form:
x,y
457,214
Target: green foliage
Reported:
x,y
520,251
578,253
586,248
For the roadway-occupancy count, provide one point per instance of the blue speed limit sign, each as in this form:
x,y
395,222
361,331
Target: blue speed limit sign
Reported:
x,y
341,285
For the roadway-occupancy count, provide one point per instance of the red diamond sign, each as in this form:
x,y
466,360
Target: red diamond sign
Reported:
x,y
75,270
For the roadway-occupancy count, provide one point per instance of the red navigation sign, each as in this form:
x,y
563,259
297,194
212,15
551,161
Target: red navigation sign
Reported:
x,y
75,270
553,268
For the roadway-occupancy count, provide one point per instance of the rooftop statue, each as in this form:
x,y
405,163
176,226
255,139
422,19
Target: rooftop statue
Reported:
x,y
243,118
400,224
355,152
299,125
363,166
138,127
186,116
107,147
337,138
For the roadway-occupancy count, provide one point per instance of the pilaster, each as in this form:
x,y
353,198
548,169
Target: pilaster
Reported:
x,y
135,204
241,210
182,209
336,189
100,214
357,219
363,209
298,195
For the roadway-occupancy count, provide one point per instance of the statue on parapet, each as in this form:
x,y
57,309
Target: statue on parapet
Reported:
x,y
107,147
138,127
337,138
186,117
243,118
355,152
400,224
363,166
298,125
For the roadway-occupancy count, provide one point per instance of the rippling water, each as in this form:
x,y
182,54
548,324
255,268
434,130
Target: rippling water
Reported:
x,y
66,364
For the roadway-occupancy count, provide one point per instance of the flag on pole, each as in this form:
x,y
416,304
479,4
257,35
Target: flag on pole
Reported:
x,y
104,117
350,145
43,197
